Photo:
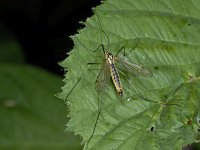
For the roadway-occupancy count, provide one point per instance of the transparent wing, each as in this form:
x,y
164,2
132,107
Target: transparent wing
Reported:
x,y
135,69
102,78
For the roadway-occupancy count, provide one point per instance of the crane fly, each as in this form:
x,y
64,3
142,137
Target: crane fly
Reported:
x,y
109,70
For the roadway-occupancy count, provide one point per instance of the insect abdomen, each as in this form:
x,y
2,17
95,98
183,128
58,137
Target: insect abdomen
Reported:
x,y
116,80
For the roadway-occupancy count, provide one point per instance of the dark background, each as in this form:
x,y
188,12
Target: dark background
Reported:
x,y
42,27
36,33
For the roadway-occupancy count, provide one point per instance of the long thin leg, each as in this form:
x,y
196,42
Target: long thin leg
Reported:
x,y
100,89
100,107
79,79
97,48
101,26
161,103
95,124
76,83
86,47
138,40
103,49
123,48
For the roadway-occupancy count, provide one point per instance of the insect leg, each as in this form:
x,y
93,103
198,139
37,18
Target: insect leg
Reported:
x,y
79,79
76,83
86,47
138,40
103,48
123,48
160,103
101,83
101,27
95,124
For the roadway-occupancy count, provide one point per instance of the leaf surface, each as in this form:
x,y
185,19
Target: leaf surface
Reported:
x,y
168,33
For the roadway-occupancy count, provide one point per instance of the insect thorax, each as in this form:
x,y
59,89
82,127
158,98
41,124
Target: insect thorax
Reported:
x,y
109,57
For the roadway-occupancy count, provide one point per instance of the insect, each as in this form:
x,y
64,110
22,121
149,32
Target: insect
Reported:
x,y
109,70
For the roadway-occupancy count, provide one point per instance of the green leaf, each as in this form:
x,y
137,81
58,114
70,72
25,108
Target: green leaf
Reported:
x,y
32,118
168,34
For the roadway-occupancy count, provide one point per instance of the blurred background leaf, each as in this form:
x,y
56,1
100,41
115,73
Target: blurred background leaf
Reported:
x,y
31,116
33,39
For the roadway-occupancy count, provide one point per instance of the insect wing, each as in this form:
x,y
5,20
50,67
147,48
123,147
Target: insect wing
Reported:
x,y
102,78
135,69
